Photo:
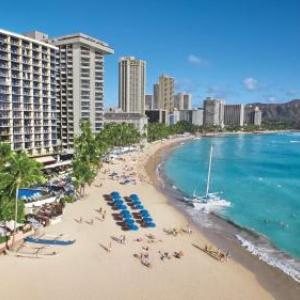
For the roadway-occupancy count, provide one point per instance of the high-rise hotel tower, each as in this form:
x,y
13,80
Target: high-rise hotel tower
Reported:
x,y
80,80
28,93
132,81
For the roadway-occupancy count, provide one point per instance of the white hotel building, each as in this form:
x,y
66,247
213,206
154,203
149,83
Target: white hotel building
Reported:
x,y
28,93
80,79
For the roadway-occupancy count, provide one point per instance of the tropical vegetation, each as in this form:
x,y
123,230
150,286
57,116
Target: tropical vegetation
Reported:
x,y
90,149
17,170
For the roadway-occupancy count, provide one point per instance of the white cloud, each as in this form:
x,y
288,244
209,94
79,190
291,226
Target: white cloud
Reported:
x,y
272,99
250,84
196,60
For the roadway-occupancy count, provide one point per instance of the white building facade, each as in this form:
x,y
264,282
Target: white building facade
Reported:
x,y
80,80
28,112
213,112
132,82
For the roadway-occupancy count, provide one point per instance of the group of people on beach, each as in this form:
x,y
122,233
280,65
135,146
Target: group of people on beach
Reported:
x,y
218,254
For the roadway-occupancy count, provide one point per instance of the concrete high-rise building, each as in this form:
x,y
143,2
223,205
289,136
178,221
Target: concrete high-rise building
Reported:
x,y
28,118
156,116
183,101
257,116
156,96
80,81
166,93
148,102
234,114
197,117
132,82
193,116
213,112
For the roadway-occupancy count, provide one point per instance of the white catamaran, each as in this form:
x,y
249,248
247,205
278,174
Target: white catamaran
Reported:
x,y
210,200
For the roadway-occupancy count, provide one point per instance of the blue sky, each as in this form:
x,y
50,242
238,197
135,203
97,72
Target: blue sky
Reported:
x,y
240,50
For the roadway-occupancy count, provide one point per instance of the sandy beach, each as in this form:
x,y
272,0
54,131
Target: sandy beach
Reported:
x,y
85,270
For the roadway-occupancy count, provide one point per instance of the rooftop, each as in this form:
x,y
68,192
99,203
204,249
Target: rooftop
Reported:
x,y
84,39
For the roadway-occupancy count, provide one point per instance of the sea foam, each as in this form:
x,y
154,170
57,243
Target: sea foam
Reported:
x,y
273,257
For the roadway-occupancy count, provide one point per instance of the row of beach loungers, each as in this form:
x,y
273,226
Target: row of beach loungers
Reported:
x,y
130,219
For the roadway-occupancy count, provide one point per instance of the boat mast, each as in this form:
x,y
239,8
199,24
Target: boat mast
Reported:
x,y
209,171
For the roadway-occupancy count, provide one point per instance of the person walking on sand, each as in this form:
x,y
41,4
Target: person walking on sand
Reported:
x,y
109,248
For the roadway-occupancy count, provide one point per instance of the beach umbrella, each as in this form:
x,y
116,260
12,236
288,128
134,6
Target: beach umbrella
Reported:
x,y
129,221
118,202
135,201
134,196
126,215
115,193
145,214
139,206
133,227
148,220
120,206
142,211
116,197
125,211
151,225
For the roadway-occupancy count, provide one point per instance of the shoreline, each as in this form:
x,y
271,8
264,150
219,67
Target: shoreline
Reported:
x,y
279,284
85,270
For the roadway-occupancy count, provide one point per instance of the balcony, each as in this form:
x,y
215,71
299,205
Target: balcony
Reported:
x,y
5,106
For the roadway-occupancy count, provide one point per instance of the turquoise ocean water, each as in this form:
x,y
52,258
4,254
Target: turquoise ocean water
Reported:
x,y
260,176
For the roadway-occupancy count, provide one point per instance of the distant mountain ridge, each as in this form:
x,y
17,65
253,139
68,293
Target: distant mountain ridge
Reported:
x,y
288,112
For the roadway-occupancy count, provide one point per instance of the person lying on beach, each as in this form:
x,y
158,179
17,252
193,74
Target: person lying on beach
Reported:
x,y
122,239
145,260
162,256
178,254
138,240
145,248
150,236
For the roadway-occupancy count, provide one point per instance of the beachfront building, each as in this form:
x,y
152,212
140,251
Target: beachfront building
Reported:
x,y
166,93
148,102
197,117
140,121
234,115
257,116
155,96
132,81
80,80
183,101
193,116
156,116
213,112
28,118
253,115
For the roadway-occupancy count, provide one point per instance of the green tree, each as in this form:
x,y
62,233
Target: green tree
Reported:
x,y
18,171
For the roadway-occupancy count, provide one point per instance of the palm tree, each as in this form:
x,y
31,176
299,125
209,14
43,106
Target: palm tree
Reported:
x,y
19,171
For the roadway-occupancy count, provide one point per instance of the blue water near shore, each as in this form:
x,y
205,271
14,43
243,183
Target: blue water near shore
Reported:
x,y
260,176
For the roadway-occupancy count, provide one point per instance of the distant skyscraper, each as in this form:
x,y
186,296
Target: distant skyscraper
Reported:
x,y
132,81
148,102
166,93
80,84
28,118
213,112
156,96
234,114
257,116
183,101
